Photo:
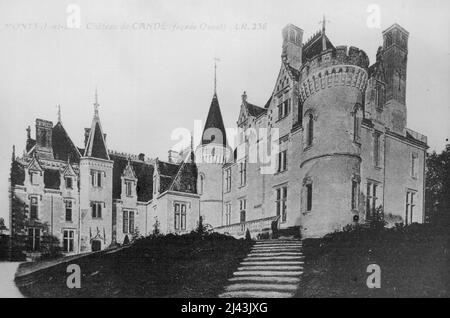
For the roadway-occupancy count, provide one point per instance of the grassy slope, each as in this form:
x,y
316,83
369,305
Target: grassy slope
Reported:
x,y
414,263
150,268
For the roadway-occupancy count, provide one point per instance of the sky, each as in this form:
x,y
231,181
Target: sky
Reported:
x,y
152,62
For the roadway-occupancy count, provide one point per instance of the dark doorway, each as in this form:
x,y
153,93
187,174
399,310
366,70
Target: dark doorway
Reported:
x,y
96,245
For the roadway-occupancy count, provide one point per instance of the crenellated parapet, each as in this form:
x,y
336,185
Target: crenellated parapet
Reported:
x,y
334,67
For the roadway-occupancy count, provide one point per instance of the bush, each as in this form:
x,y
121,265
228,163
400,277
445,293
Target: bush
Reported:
x,y
50,248
248,237
4,247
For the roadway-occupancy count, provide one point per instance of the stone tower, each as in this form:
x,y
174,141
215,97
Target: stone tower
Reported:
x,y
331,90
96,171
210,157
395,54
292,46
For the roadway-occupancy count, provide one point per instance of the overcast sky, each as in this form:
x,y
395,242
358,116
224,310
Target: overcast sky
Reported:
x,y
155,79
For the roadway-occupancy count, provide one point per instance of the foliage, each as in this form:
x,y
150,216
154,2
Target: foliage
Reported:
x,y
248,237
50,247
202,229
437,187
156,230
126,240
2,225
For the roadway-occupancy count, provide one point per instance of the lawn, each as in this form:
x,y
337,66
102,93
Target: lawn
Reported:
x,y
414,262
171,266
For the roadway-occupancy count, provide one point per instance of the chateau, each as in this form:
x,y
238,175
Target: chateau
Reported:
x,y
329,148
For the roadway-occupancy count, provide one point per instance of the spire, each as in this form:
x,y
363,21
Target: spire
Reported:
x,y
214,131
59,114
215,74
96,145
96,104
324,40
244,97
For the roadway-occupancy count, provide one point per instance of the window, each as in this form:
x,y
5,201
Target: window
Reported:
x,y
68,204
96,178
131,222
34,239
33,178
242,208
202,181
283,109
69,183
309,197
125,222
414,159
33,208
128,188
227,220
355,194
356,127
410,204
371,199
96,210
243,172
68,240
180,216
282,161
310,130
376,149
228,180
280,203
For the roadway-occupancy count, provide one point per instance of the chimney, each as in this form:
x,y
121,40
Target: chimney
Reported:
x,y
44,130
141,157
292,46
87,131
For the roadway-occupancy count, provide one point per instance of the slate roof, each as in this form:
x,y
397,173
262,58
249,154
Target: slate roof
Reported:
x,y
214,120
144,174
314,46
254,110
96,146
63,147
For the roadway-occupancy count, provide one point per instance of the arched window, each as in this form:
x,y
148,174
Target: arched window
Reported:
x,y
310,133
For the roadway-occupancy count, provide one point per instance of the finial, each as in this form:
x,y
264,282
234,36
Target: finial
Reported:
x,y
13,152
215,74
324,41
244,97
59,114
28,132
96,102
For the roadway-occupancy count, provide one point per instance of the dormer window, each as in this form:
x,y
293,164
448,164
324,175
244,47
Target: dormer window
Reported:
x,y
128,188
69,183
34,178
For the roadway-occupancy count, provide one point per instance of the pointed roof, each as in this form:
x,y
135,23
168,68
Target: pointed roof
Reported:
x,y
315,45
62,145
96,145
214,121
128,172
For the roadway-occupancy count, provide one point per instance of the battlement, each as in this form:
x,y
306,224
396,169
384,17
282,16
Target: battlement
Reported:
x,y
133,157
341,55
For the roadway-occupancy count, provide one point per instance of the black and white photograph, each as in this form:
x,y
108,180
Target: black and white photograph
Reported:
x,y
224,153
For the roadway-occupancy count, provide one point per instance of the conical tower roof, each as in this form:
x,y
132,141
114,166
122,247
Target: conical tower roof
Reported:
x,y
214,131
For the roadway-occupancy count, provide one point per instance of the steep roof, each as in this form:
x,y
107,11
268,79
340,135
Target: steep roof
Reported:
x,y
63,147
96,145
314,46
254,110
144,174
214,121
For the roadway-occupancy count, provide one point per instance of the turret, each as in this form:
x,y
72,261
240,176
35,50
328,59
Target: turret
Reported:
x,y
292,46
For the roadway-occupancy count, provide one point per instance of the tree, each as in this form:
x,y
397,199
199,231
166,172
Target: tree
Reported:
x,y
2,225
437,187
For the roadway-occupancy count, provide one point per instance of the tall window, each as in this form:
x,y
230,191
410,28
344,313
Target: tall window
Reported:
x,y
202,182
355,195
376,149
410,204
34,239
280,202
96,178
125,225
96,210
309,197
242,209
180,216
228,180
371,199
414,159
131,222
356,127
68,204
69,182
128,188
283,109
33,208
68,240
282,161
227,220
243,172
33,178
310,131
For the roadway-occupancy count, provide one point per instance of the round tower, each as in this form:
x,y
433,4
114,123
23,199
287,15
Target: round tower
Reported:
x,y
210,157
331,92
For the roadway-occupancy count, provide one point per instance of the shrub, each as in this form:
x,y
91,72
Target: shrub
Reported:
x,y
50,248
248,237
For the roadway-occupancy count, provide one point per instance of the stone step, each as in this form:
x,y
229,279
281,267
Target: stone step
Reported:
x,y
279,249
276,254
256,294
261,287
270,279
269,273
278,243
271,267
272,263
276,247
273,258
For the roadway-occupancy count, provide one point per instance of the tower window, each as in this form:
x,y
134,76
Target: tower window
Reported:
x,y
410,204
96,210
68,204
228,179
309,197
243,172
281,203
96,178
376,149
202,181
310,130
355,195
33,208
69,182
414,159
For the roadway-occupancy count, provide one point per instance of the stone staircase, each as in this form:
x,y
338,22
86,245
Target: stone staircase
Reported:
x,y
272,269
